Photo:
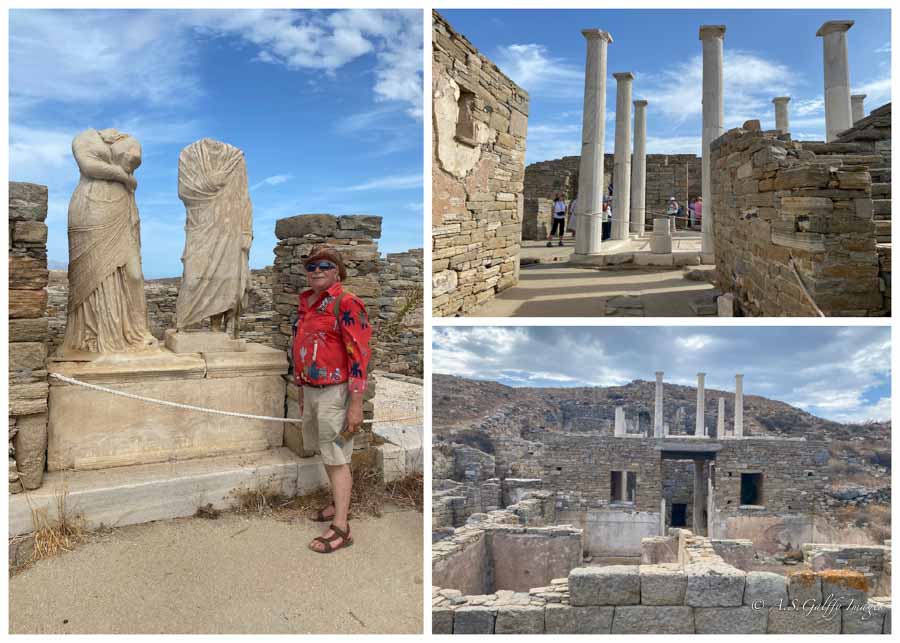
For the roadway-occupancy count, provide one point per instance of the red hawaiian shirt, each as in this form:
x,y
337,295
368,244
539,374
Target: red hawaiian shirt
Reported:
x,y
329,349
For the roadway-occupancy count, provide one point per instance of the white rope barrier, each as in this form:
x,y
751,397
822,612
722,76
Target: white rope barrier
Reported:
x,y
200,409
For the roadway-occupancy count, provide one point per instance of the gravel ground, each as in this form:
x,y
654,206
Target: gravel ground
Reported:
x,y
235,574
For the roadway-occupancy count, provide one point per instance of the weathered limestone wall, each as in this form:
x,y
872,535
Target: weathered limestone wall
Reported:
x,y
668,175
28,335
537,218
872,560
701,593
783,205
465,565
480,124
398,345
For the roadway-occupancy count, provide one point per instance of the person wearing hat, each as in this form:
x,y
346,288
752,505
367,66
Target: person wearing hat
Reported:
x,y
330,354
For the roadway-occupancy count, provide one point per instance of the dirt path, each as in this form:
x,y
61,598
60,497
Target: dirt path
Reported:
x,y
234,575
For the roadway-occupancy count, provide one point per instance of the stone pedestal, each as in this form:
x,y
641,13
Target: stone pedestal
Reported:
x,y
590,172
205,341
857,107
622,158
90,429
713,38
661,239
639,169
837,77
782,120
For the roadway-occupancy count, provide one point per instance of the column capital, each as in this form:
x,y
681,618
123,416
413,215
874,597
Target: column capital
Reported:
x,y
597,34
781,99
623,75
701,374
659,375
640,103
712,31
739,376
834,25
858,96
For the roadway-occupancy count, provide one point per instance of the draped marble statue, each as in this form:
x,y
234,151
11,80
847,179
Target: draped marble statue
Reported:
x,y
107,310
212,184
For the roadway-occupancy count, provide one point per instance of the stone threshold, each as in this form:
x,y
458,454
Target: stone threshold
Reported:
x,y
641,259
135,494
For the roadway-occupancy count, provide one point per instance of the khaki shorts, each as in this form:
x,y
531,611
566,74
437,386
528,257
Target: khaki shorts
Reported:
x,y
324,417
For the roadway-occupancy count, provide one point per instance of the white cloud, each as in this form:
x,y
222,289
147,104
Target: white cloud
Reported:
x,y
278,179
694,342
552,141
884,49
95,57
877,92
673,144
311,41
750,83
399,182
532,67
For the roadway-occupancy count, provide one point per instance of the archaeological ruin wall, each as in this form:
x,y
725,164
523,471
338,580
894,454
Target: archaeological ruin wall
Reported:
x,y
693,590
667,175
28,335
803,228
480,121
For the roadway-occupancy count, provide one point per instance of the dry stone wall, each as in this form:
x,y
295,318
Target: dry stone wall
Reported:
x,y
28,335
480,120
700,593
668,175
795,222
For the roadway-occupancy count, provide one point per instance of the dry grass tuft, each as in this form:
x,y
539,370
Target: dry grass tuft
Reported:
x,y
263,498
53,538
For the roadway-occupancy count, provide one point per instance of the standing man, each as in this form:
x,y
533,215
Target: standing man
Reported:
x,y
331,357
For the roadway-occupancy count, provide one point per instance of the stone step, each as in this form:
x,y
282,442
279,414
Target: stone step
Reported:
x,y
136,494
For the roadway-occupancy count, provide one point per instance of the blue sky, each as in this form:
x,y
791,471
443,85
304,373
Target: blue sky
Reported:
x,y
839,373
327,107
768,53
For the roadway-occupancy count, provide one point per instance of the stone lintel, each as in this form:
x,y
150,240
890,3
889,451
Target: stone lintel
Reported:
x,y
712,31
597,33
834,25
623,75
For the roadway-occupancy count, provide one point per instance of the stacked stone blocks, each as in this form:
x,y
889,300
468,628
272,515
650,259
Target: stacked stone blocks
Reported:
x,y
28,335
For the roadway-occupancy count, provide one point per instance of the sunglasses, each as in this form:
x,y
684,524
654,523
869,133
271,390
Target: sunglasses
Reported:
x,y
322,265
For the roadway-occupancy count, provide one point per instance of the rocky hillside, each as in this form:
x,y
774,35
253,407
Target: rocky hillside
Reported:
x,y
462,406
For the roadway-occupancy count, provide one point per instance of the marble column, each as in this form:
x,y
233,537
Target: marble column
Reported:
x,y
662,517
782,121
720,420
837,77
619,429
658,407
639,169
713,38
590,170
622,158
857,107
700,428
738,406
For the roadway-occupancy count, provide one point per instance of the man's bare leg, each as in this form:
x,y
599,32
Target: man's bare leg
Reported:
x,y
341,486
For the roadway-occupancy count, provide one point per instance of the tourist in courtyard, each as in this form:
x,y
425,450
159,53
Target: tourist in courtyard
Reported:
x,y
698,211
691,212
331,355
559,220
606,220
672,208
571,222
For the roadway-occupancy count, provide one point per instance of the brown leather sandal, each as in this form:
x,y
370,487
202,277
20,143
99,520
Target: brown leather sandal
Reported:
x,y
320,515
344,536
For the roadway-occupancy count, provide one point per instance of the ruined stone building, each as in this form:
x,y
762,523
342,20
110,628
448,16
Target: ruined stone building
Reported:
x,y
480,120
548,524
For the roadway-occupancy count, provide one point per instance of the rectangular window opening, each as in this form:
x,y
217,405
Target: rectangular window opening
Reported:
x,y
751,489
465,119
679,514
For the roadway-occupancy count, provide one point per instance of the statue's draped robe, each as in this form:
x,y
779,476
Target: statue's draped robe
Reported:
x,y
212,183
107,311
